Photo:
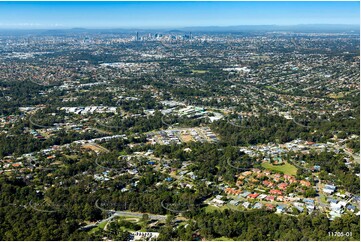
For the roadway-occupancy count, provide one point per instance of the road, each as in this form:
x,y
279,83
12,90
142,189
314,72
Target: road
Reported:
x,y
82,142
342,147
93,225
130,214
300,124
115,214
318,187
140,215
355,157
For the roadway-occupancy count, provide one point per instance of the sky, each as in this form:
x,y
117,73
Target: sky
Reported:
x,y
35,15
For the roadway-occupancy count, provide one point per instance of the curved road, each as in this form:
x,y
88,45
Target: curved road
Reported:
x,y
132,214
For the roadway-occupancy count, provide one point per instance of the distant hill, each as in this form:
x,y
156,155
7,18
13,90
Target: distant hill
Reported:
x,y
293,28
175,31
329,28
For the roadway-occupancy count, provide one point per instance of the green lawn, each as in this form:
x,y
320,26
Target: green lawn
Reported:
x,y
286,168
323,198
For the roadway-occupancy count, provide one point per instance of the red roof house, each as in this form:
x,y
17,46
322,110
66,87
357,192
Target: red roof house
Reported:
x,y
253,196
275,192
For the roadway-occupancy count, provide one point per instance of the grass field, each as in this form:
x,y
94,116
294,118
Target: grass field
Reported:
x,y
211,208
336,95
199,71
286,168
223,238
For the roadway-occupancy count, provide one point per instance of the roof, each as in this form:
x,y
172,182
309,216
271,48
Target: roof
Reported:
x,y
253,195
268,205
217,200
282,185
262,196
258,205
342,203
281,206
330,200
275,191
351,207
233,202
245,194
305,183
331,187
328,190
308,200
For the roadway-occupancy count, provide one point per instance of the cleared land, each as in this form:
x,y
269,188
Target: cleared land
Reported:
x,y
95,147
286,168
336,95
186,138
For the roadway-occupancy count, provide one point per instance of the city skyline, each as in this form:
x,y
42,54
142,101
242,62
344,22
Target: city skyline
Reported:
x,y
42,15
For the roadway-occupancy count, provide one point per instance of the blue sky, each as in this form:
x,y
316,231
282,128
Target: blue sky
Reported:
x,y
30,15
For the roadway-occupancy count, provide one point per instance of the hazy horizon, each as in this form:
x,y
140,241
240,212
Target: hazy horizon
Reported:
x,y
182,27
